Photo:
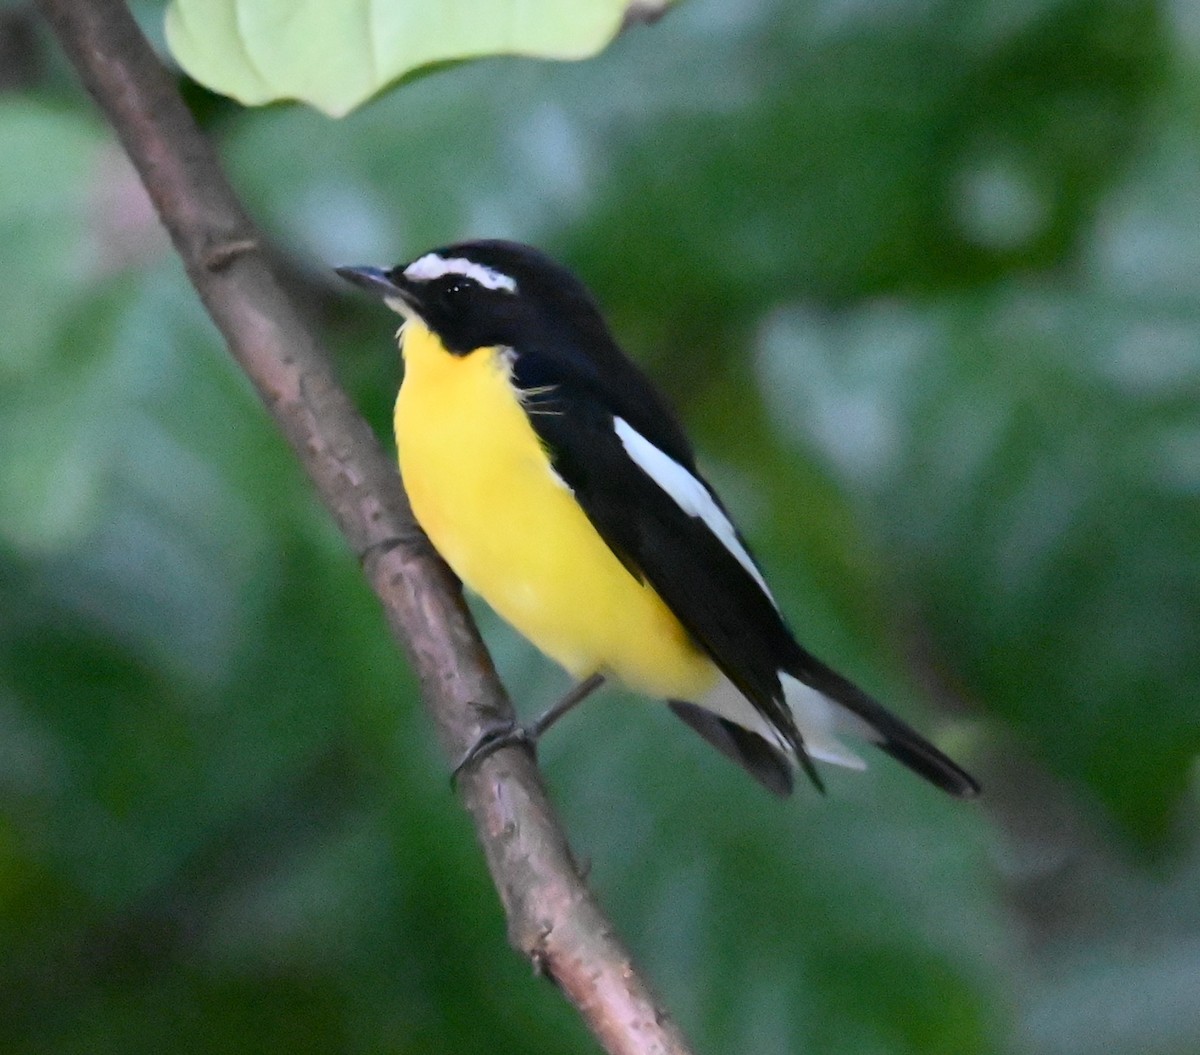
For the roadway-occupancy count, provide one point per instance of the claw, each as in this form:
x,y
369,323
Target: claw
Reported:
x,y
489,743
495,739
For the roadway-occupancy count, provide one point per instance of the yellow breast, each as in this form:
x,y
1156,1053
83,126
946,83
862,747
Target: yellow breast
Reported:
x,y
484,491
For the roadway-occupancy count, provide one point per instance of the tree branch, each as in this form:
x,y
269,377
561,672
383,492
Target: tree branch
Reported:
x,y
552,916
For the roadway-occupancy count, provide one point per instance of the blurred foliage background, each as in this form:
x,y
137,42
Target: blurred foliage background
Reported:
x,y
924,279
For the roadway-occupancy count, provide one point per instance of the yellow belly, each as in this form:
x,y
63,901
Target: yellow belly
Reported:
x,y
482,488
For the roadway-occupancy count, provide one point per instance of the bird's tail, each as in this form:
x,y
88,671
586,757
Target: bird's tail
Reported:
x,y
827,706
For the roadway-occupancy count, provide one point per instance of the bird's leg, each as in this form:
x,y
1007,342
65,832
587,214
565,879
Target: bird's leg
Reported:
x,y
570,700
493,740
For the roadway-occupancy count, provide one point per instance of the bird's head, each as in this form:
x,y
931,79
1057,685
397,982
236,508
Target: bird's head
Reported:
x,y
485,293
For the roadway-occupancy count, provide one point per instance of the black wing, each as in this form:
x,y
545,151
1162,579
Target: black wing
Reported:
x,y
702,582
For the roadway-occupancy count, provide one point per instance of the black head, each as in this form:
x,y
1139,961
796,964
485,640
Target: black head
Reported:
x,y
485,293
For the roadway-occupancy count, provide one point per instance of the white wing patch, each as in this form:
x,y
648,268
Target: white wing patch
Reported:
x,y
432,266
687,492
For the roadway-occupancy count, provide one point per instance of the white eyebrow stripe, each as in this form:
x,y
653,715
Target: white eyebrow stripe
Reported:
x,y
688,493
432,266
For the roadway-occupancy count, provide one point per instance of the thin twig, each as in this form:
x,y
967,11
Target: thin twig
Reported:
x,y
552,916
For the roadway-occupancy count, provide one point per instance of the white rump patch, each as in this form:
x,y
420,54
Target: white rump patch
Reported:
x,y
687,492
821,720
725,701
432,266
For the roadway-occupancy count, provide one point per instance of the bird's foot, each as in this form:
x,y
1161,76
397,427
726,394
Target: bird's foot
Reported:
x,y
512,734
489,743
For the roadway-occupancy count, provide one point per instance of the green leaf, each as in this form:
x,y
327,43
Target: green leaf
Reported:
x,y
336,54
1034,456
48,237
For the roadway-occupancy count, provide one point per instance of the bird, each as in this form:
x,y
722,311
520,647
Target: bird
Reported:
x,y
556,481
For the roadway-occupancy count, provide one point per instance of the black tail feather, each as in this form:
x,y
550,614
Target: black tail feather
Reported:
x,y
895,736
927,761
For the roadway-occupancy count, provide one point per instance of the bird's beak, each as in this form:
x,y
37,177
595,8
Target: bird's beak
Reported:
x,y
396,293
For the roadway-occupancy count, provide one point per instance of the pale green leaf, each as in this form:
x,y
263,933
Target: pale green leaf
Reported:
x,y
336,54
